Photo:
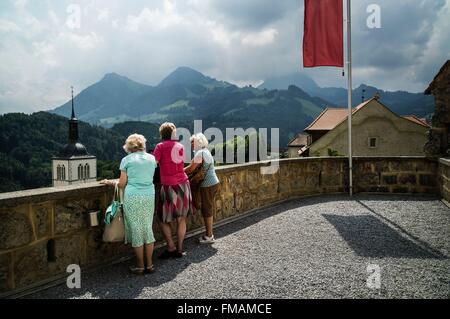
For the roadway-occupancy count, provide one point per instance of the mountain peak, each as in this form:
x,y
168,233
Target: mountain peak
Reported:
x,y
186,70
298,79
117,81
185,75
114,76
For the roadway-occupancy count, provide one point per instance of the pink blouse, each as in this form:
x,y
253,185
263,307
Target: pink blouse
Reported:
x,y
170,156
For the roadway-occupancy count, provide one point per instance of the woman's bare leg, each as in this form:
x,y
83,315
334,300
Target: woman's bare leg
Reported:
x,y
149,253
139,251
181,232
167,233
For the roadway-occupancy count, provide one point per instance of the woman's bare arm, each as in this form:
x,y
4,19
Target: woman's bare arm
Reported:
x,y
192,166
123,180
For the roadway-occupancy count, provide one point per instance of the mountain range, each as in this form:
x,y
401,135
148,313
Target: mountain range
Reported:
x,y
289,103
186,95
400,102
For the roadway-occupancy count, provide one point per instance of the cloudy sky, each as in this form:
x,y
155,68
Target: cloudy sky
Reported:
x,y
48,45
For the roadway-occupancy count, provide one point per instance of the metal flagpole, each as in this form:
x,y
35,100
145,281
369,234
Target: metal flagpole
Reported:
x,y
349,75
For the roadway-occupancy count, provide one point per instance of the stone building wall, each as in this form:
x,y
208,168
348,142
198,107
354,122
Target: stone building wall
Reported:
x,y
444,178
439,135
44,230
395,135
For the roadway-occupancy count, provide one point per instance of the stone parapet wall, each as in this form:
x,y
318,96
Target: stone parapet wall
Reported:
x,y
395,175
42,231
444,178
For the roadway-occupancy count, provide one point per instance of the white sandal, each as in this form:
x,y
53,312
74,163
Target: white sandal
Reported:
x,y
137,270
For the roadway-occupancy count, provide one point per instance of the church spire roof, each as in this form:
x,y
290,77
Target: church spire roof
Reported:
x,y
73,110
73,125
73,148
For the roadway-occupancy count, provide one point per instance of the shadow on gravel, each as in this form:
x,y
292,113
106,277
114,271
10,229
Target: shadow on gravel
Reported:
x,y
369,237
402,230
116,281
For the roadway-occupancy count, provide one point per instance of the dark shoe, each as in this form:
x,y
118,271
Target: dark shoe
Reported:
x,y
167,254
178,254
150,270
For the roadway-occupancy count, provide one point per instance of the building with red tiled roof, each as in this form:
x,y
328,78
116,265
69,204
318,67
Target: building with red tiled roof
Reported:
x,y
376,131
328,120
417,120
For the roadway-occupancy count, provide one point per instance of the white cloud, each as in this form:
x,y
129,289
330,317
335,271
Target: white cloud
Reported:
x,y
103,15
8,26
79,41
54,18
20,4
155,19
260,38
243,42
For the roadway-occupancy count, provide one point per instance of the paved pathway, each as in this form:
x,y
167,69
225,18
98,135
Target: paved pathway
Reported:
x,y
318,247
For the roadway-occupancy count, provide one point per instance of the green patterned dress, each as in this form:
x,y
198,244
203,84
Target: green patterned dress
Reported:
x,y
139,198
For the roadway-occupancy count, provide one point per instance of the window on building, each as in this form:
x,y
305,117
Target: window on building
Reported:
x,y
86,168
63,173
80,172
373,142
58,173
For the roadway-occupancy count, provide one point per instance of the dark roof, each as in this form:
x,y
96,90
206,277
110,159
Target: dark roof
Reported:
x,y
73,149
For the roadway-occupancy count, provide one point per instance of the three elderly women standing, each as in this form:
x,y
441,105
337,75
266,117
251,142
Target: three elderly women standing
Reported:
x,y
174,199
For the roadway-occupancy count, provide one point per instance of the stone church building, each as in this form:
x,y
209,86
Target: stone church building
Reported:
x,y
73,164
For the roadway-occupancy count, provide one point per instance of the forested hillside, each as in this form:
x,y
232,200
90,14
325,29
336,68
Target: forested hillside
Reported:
x,y
28,142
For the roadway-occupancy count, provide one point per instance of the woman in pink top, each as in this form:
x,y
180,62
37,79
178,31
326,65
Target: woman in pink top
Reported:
x,y
175,199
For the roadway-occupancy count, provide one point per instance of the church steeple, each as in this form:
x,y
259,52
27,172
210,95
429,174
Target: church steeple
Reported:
x,y
73,165
73,111
73,125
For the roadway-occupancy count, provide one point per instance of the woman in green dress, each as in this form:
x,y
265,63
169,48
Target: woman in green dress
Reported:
x,y
136,177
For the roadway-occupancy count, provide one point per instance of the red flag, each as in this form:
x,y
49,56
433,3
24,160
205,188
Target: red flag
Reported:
x,y
323,43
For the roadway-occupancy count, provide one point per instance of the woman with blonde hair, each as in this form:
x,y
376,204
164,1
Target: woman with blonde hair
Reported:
x,y
175,200
205,194
136,177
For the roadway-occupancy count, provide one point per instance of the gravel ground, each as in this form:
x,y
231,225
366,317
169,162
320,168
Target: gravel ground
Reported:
x,y
318,247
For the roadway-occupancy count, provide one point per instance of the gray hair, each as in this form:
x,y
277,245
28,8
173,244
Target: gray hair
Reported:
x,y
199,139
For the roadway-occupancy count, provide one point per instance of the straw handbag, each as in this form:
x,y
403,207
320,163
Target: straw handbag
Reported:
x,y
114,223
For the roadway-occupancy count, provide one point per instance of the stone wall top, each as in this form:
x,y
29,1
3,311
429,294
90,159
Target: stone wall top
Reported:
x,y
54,193
49,193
